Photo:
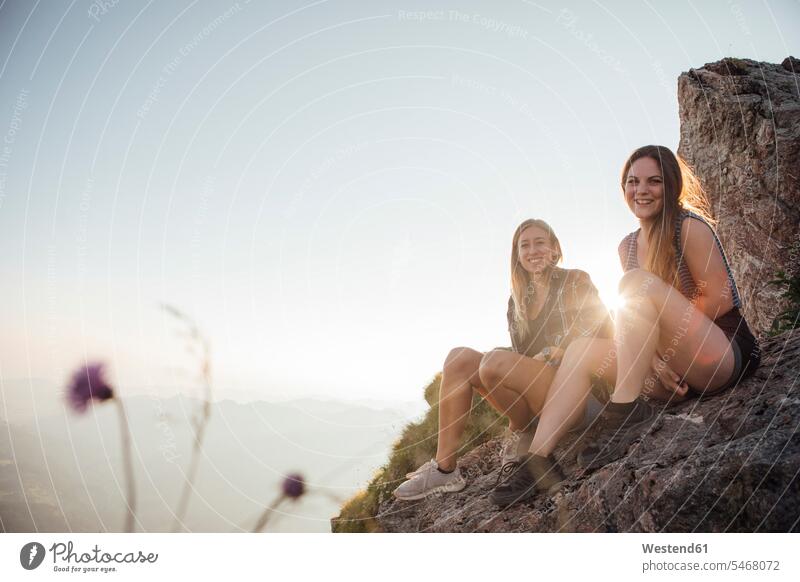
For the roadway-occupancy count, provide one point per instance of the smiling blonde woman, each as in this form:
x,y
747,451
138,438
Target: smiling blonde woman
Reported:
x,y
549,308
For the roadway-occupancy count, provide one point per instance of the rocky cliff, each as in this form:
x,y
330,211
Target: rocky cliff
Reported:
x,y
740,131
726,463
730,462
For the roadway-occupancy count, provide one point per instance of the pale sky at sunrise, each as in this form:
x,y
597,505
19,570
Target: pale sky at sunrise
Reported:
x,y
328,188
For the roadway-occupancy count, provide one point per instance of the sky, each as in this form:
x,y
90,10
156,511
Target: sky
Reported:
x,y
328,189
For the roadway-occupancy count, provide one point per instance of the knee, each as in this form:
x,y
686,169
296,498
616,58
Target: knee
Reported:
x,y
493,367
637,282
458,361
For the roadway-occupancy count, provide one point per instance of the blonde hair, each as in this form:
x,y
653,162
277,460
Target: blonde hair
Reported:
x,y
682,191
522,289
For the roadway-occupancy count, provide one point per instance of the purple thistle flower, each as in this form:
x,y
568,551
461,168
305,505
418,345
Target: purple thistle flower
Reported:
x,y
294,486
88,383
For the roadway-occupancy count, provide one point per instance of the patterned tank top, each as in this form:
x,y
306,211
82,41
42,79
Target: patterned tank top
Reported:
x,y
686,282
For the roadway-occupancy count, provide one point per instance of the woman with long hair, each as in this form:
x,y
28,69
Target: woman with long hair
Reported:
x,y
679,333
548,309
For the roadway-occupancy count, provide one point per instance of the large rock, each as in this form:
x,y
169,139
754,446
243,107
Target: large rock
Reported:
x,y
725,463
740,130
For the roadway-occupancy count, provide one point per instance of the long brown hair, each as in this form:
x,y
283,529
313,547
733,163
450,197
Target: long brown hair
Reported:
x,y
521,286
682,191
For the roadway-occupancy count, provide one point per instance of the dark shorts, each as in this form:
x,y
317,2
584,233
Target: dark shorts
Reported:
x,y
746,352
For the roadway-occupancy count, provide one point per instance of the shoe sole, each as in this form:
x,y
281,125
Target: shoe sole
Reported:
x,y
449,488
605,457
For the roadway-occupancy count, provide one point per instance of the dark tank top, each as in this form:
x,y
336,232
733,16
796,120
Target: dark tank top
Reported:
x,y
572,309
537,340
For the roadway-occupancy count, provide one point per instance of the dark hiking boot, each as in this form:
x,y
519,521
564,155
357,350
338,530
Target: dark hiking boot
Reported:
x,y
532,475
616,430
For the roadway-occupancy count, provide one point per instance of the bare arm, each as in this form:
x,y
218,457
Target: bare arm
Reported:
x,y
707,267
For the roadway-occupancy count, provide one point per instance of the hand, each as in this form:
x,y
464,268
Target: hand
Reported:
x,y
668,377
550,355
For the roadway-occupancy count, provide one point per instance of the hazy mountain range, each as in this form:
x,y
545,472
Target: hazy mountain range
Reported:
x,y
62,472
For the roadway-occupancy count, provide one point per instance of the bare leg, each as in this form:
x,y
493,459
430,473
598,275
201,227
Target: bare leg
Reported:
x,y
658,316
459,377
636,336
510,405
584,359
566,398
513,378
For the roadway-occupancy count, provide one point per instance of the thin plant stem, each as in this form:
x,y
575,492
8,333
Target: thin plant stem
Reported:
x,y
262,521
199,428
127,459
200,422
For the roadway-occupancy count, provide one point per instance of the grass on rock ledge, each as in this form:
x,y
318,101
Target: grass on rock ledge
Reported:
x,y
416,445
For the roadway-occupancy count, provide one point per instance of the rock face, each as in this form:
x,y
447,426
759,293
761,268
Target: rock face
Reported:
x,y
740,131
725,463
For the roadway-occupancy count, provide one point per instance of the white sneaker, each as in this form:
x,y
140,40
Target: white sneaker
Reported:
x,y
422,468
428,479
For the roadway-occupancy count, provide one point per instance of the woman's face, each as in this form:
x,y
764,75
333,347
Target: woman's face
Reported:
x,y
644,189
535,250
